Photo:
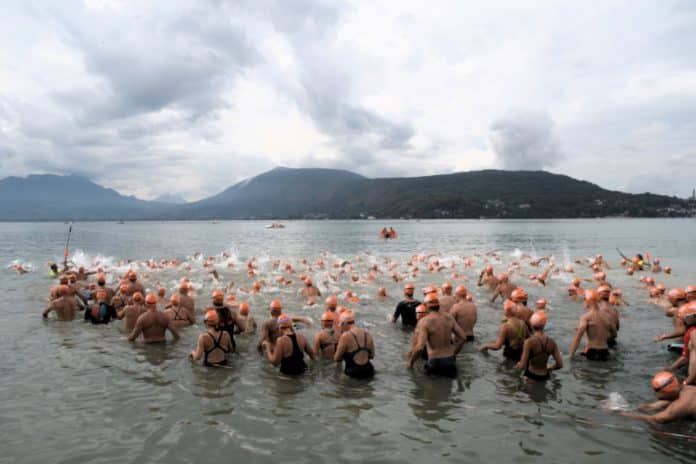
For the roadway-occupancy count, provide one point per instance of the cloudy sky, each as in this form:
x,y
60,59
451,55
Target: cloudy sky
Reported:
x,y
153,97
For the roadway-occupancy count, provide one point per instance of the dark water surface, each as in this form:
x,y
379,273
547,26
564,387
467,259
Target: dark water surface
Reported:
x,y
79,393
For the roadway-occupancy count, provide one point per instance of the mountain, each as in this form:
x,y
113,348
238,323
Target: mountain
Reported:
x,y
285,193
58,198
170,198
279,193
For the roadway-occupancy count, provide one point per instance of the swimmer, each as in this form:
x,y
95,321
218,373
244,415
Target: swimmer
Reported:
x,y
356,348
487,278
597,327
101,283
177,314
609,310
677,299
162,299
465,315
185,301
213,345
100,312
325,341
511,335
519,296
229,318
421,312
134,285
65,306
382,294
269,329
248,319
153,325
132,312
541,304
690,293
504,288
687,314
289,348
536,351
675,401
447,299
434,332
656,268
406,308
616,298
309,291
120,300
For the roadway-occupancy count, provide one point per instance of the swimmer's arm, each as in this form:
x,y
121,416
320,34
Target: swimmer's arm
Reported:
x,y
239,322
498,344
524,359
495,295
174,330
308,349
654,406
120,314
304,320
317,345
137,330
457,329
557,358
680,361
421,336
198,352
48,310
397,313
264,336
579,332
340,349
676,334
277,354
691,378
190,317
670,414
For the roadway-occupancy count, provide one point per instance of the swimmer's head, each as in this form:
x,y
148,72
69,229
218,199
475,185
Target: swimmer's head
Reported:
x,y
687,313
519,295
432,302
328,319
538,320
276,306
489,270
123,288
284,322
150,299
541,303
509,308
101,295
382,291
591,297
244,309
101,280
174,299
331,301
667,269
461,291
409,289
447,288
218,297
604,292
138,297
421,311
308,281
503,277
183,288
132,276
64,290
211,318
347,320
161,292
665,384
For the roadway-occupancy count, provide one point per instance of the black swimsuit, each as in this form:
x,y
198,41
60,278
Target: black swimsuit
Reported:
x,y
216,345
353,369
293,364
544,351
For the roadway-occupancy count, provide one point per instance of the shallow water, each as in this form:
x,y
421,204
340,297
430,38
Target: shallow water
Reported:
x,y
79,393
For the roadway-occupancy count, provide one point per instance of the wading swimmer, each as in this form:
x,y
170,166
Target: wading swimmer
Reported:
x,y
434,332
177,314
674,401
248,319
289,348
504,288
598,329
100,312
356,348
537,349
325,341
213,345
676,298
406,308
511,335
269,329
153,325
687,314
447,299
65,306
132,312
465,315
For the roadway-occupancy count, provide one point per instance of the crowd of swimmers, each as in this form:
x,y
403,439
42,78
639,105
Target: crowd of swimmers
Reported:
x,y
441,325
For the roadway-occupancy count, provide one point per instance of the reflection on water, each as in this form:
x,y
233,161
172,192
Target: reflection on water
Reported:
x,y
77,392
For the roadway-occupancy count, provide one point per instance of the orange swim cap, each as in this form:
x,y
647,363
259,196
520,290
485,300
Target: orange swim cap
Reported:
x,y
519,295
690,289
257,285
137,296
591,296
676,294
218,295
174,298
665,382
284,321
447,285
409,287
244,308
576,282
667,269
650,280
123,288
328,316
183,288
538,320
461,291
211,318
151,299
347,318
431,298
132,276
64,290
541,303
503,277
687,311
331,300
661,287
429,289
603,289
341,309
421,309
275,304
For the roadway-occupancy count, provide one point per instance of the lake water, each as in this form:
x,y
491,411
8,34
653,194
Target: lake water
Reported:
x,y
79,393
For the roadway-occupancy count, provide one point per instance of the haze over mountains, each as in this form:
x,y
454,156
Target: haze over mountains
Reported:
x,y
285,193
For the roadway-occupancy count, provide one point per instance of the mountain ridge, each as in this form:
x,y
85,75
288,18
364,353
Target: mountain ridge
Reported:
x,y
315,193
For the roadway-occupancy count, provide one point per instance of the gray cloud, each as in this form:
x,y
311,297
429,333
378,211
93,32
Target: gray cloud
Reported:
x,y
525,140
